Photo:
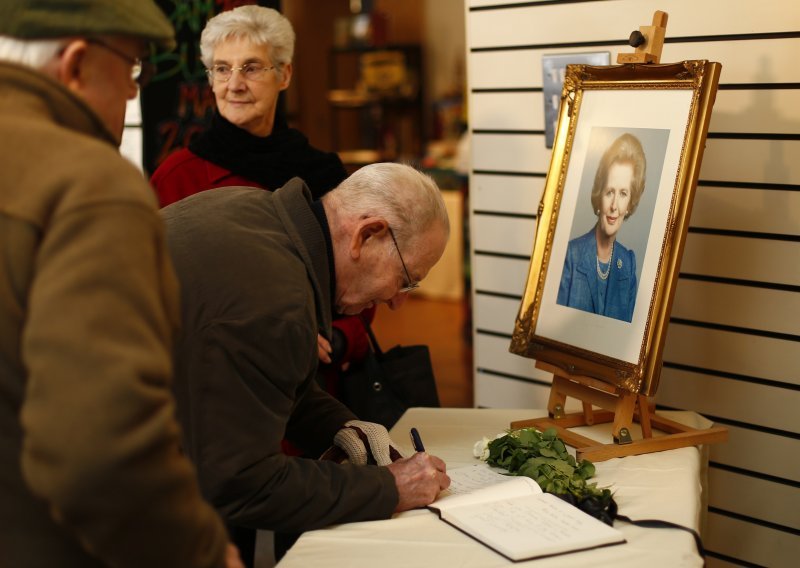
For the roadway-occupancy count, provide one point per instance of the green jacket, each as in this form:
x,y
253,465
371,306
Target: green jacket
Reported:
x,y
256,289
90,468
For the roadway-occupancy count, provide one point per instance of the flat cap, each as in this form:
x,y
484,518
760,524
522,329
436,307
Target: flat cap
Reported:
x,y
46,19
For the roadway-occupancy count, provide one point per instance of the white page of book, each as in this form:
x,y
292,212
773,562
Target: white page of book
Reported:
x,y
479,483
531,526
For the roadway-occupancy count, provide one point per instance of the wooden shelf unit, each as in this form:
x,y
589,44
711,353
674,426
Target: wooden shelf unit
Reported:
x,y
376,105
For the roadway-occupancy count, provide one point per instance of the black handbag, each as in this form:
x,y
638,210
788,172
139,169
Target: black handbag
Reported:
x,y
385,384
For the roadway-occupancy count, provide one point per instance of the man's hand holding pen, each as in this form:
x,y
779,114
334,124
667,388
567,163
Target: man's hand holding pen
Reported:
x,y
420,478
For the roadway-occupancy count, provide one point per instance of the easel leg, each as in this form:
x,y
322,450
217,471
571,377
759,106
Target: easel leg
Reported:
x,y
644,416
588,413
623,418
557,400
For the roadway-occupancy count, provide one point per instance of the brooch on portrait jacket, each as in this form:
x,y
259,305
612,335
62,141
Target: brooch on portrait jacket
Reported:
x,y
619,263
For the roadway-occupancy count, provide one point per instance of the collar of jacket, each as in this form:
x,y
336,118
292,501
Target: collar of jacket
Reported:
x,y
24,90
293,204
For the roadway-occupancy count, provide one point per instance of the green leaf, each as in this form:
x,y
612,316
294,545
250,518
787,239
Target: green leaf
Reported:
x,y
550,434
586,469
548,452
564,468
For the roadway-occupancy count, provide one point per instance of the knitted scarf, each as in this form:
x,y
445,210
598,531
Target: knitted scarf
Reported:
x,y
270,161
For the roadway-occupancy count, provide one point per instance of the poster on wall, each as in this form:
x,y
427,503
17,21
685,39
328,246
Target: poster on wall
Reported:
x,y
554,67
178,102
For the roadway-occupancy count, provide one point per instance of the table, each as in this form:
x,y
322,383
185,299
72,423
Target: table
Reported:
x,y
663,485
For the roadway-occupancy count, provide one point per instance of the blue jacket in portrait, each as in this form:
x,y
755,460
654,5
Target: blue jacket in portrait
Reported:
x,y
580,284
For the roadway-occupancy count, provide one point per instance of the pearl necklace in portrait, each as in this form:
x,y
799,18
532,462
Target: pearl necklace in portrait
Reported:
x,y
600,273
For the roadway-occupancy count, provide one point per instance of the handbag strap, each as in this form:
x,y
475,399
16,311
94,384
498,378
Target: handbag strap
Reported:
x,y
373,341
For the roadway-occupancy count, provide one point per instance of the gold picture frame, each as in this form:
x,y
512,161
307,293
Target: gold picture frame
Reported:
x,y
563,320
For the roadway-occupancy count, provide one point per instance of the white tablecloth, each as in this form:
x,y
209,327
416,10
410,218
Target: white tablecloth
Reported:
x,y
664,485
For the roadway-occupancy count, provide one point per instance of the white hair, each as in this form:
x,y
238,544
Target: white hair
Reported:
x,y
34,53
260,25
409,200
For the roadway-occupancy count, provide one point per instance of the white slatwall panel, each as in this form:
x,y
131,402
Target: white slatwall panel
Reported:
x,y
756,308
742,258
751,542
497,233
755,451
495,314
500,392
510,153
738,353
487,111
131,145
757,161
497,274
744,62
756,111
506,193
505,70
604,21
493,351
733,348
747,210
757,498
732,399
478,3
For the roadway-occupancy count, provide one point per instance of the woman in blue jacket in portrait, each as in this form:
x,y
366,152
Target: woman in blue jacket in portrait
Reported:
x,y
599,272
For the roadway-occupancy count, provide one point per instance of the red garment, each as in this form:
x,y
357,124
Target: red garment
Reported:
x,y
184,173
357,345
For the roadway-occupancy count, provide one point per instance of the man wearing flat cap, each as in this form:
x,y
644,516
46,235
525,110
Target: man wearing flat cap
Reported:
x,y
91,473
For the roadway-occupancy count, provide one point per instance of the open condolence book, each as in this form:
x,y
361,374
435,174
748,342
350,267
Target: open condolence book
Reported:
x,y
512,516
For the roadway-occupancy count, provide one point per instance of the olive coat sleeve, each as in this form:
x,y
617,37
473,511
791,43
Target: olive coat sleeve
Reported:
x,y
247,400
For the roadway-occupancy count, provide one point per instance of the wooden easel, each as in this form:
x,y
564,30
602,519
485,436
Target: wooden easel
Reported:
x,y
617,406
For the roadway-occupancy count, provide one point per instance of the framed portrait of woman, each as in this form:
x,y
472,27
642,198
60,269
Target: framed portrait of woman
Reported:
x,y
613,219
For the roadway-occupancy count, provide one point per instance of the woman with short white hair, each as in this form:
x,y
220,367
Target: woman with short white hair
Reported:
x,y
248,54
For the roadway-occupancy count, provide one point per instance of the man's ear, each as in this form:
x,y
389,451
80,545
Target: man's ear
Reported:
x,y
70,64
366,229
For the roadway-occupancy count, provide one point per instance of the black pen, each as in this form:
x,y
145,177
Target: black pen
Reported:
x,y
416,441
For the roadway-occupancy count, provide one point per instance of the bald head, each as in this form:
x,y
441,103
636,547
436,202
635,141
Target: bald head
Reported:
x,y
410,200
376,203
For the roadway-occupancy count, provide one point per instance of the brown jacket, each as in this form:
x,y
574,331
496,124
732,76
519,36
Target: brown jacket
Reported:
x,y
90,468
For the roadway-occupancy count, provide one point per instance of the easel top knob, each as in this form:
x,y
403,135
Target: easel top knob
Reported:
x,y
648,41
